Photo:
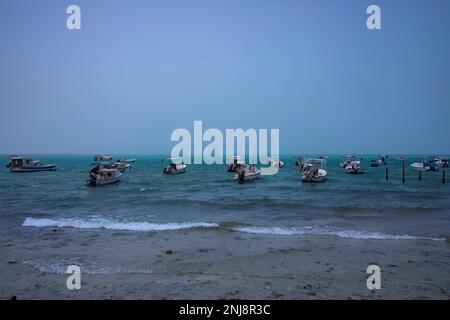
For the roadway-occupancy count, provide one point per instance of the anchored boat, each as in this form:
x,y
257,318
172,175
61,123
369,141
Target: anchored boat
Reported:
x,y
427,165
276,163
102,157
354,167
374,163
175,166
314,170
247,174
101,175
21,164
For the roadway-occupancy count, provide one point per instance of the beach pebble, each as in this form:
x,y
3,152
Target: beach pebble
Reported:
x,y
169,251
12,261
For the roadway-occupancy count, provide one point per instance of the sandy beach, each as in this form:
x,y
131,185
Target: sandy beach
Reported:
x,y
219,264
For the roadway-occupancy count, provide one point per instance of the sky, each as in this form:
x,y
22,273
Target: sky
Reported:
x,y
137,70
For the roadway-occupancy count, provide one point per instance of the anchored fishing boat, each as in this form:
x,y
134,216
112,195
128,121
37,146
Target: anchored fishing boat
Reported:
x,y
427,165
101,175
374,163
354,167
235,163
314,170
346,160
247,174
21,164
175,166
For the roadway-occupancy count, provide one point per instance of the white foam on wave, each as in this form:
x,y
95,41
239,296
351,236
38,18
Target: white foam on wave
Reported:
x,y
327,231
102,223
87,268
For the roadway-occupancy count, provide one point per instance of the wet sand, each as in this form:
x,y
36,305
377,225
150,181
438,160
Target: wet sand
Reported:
x,y
217,264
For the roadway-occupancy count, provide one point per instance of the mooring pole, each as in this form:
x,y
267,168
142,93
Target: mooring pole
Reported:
x,y
443,176
420,174
387,174
403,170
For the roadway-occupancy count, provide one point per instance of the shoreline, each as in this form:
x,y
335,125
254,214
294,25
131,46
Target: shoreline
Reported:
x,y
220,265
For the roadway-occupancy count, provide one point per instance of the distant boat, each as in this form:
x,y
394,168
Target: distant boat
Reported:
x,y
382,160
247,174
314,170
427,165
100,175
21,164
374,163
354,167
103,158
129,161
346,160
174,166
276,163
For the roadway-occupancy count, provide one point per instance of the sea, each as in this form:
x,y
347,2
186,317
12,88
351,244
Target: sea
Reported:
x,y
206,197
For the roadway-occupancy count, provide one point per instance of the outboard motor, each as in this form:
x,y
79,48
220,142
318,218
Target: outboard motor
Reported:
x,y
241,175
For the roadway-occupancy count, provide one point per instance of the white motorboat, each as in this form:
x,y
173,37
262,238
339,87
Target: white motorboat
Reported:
x,y
314,170
121,166
346,160
100,175
175,166
354,167
235,163
427,165
276,163
21,164
129,161
247,174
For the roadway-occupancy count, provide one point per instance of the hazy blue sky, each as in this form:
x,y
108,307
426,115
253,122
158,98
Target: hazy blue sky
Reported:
x,y
139,69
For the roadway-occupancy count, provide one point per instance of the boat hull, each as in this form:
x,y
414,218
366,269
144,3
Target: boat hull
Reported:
x,y
50,167
320,177
248,177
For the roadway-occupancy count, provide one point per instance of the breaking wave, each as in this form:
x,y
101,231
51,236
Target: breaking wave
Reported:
x,y
328,231
102,223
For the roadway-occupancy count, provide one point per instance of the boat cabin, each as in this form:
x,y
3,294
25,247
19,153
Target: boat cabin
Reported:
x,y
19,162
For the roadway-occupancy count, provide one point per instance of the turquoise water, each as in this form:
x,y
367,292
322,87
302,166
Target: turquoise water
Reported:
x,y
354,206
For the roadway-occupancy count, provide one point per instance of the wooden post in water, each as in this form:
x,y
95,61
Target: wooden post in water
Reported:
x,y
420,174
443,176
403,170
387,174
402,159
